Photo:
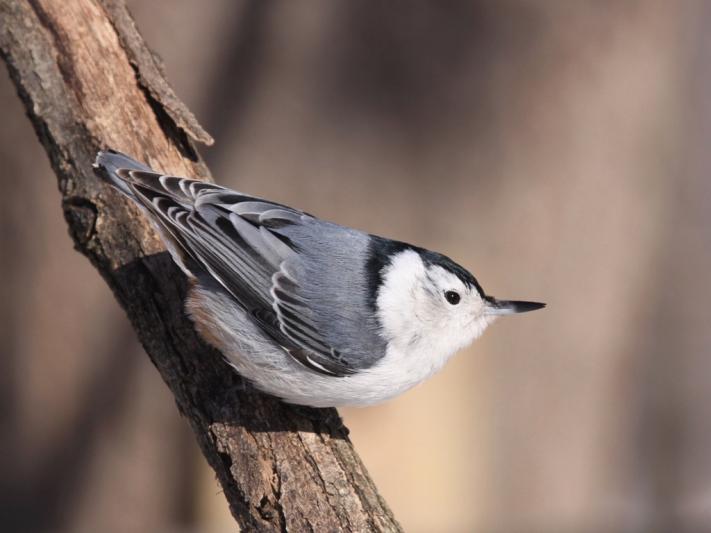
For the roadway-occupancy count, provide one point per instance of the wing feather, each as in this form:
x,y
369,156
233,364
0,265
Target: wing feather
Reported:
x,y
236,239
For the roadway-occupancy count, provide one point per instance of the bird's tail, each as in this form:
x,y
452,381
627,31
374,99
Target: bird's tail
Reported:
x,y
107,166
142,185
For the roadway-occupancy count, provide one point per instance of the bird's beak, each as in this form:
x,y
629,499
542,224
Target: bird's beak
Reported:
x,y
496,307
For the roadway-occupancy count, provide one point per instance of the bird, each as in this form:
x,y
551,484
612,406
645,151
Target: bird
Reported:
x,y
310,311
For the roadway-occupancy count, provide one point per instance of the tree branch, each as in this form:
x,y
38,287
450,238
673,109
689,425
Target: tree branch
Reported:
x,y
88,81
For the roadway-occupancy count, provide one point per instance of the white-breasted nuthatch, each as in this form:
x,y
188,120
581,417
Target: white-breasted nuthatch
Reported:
x,y
312,312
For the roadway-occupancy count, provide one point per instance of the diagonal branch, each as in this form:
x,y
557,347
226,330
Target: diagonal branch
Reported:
x,y
88,81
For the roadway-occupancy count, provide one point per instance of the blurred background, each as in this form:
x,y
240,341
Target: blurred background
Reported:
x,y
560,150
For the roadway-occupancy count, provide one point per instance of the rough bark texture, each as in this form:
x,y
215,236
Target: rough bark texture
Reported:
x,y
88,81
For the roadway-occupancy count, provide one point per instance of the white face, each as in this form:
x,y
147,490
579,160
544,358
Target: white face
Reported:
x,y
423,306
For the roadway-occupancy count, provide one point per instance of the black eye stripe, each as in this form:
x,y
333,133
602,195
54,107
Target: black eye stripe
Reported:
x,y
452,297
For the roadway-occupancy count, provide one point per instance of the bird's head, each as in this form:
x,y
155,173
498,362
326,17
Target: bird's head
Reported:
x,y
427,301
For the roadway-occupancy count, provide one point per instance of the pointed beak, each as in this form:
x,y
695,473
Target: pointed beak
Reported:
x,y
496,307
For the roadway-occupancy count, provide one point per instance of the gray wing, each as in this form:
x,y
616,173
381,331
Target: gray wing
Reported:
x,y
270,258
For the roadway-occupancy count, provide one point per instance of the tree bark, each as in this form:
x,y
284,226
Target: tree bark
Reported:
x,y
88,81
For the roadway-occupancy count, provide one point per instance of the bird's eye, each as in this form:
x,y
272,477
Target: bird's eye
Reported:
x,y
452,297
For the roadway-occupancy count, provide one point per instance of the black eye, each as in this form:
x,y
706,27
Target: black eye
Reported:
x,y
452,297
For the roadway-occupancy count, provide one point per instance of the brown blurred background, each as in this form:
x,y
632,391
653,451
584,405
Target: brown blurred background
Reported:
x,y
559,149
